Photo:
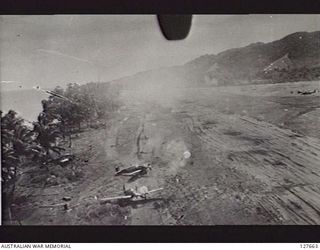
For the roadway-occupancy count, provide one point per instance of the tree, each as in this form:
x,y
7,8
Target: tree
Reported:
x,y
46,136
16,144
78,104
16,136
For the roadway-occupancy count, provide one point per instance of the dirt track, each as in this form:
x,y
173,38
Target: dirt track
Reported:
x,y
242,171
246,165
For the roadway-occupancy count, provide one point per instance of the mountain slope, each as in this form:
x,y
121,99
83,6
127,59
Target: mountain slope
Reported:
x,y
295,57
300,50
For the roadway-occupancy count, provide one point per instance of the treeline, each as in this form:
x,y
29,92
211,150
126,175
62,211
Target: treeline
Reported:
x,y
79,105
64,112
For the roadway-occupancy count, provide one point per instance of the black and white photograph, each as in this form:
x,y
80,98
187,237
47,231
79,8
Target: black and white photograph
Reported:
x,y
104,121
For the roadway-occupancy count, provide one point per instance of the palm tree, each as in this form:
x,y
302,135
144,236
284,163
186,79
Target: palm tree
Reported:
x,y
17,136
9,164
9,168
10,121
16,143
46,136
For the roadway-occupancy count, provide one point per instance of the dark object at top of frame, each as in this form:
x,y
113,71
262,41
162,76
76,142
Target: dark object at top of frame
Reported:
x,y
175,27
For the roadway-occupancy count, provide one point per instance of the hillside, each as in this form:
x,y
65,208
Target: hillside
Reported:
x,y
289,56
295,57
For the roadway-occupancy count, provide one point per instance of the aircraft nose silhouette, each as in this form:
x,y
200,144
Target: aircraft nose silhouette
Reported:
x,y
175,27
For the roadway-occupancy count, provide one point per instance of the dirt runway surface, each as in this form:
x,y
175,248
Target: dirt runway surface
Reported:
x,y
249,163
242,170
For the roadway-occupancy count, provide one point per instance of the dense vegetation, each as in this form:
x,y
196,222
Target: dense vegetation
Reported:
x,y
65,112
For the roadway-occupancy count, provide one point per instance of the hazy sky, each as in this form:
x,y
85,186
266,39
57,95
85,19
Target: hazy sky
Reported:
x,y
55,50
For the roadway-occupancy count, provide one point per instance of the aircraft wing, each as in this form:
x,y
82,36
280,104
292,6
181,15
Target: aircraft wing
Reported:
x,y
54,94
132,173
154,190
116,198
